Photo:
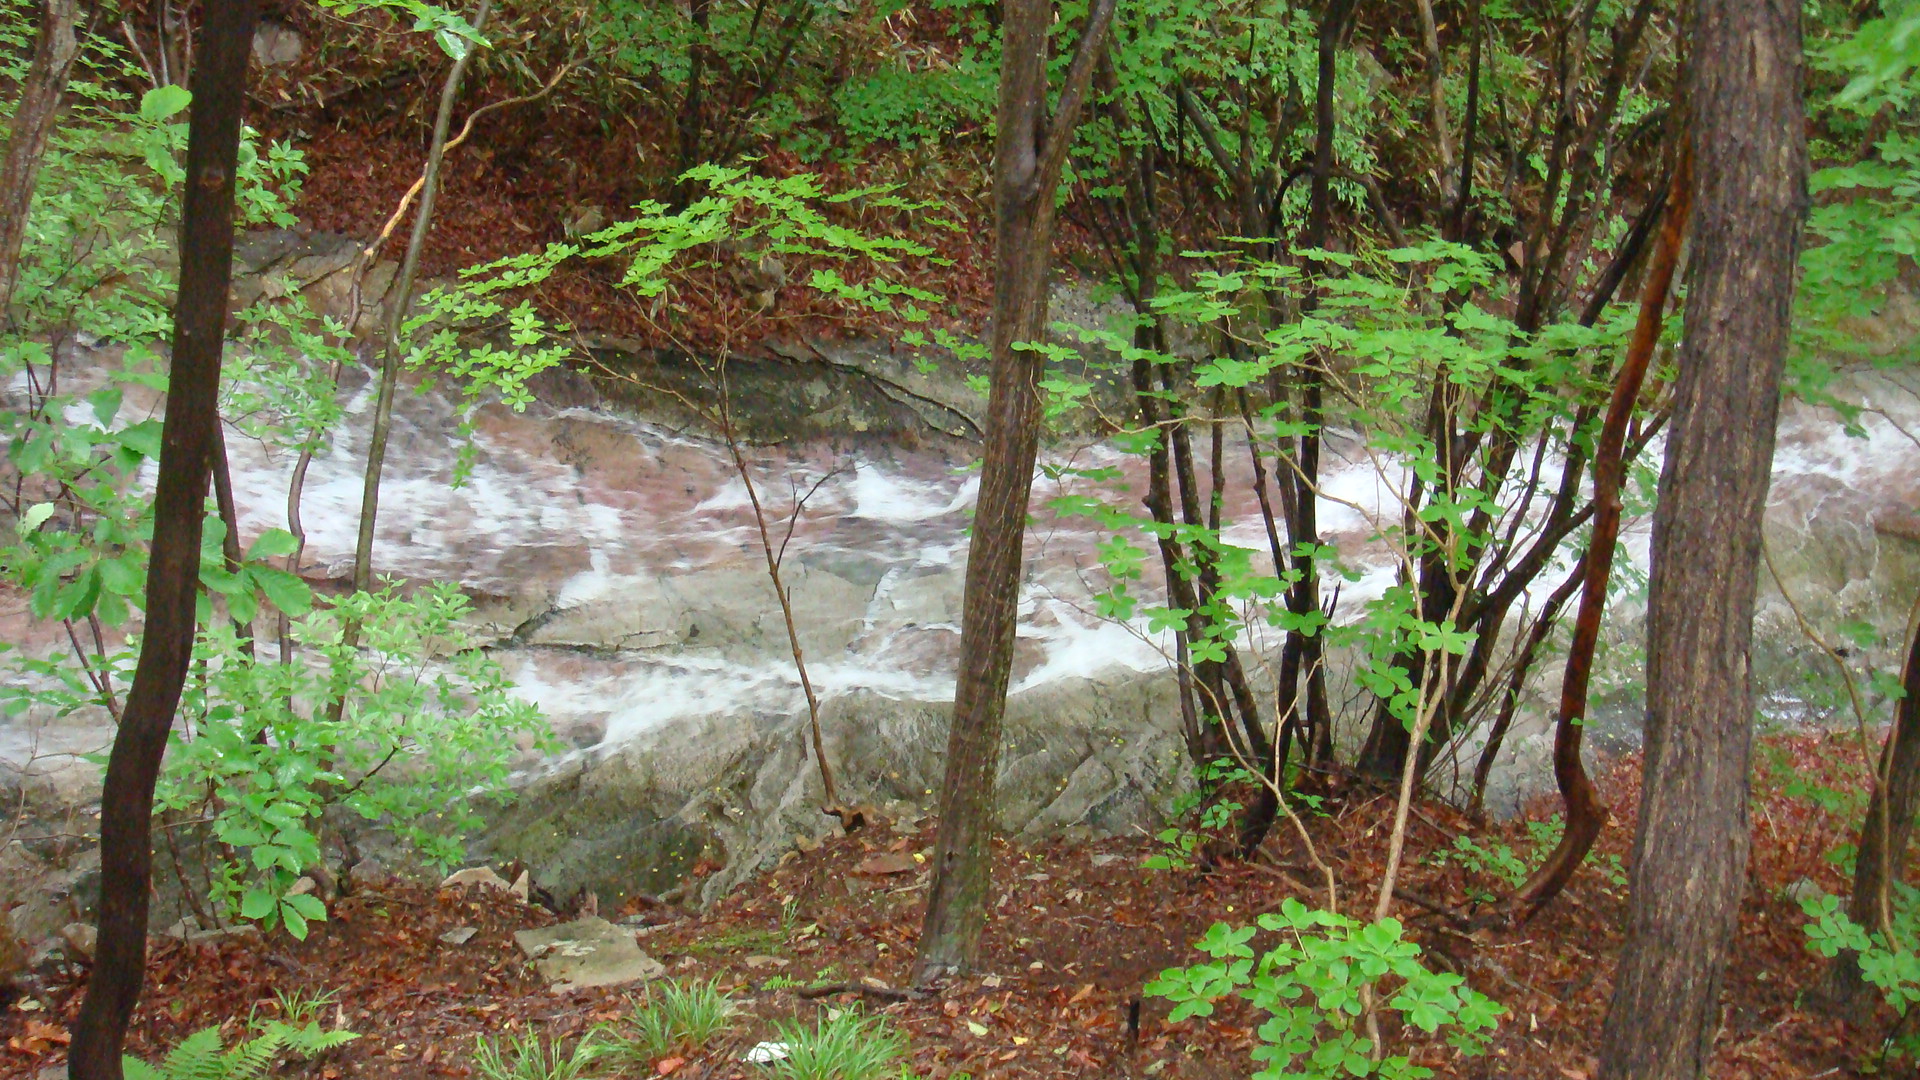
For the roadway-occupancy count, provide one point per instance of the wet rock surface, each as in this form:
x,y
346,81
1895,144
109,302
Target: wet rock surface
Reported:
x,y
618,576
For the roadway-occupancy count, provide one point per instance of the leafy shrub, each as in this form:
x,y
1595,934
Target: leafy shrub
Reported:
x,y
1314,985
915,107
427,723
1888,964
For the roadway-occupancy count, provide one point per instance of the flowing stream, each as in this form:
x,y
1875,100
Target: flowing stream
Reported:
x,y
618,567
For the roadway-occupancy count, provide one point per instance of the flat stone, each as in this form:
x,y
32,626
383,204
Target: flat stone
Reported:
x,y
275,45
190,930
80,939
887,862
459,935
586,953
483,876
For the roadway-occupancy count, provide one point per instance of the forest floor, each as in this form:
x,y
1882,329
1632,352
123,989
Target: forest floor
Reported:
x,y
1076,931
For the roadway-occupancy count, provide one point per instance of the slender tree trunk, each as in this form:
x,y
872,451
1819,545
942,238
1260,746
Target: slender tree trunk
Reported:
x,y
396,317
186,454
1516,685
229,517
1748,136
1884,834
53,55
1586,815
1029,151
699,12
1302,652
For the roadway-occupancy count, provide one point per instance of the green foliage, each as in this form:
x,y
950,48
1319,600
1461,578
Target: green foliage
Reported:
x,y
674,1016
98,257
1179,843
1865,223
915,107
816,77
426,721
1383,313
1888,962
427,725
1499,861
847,1046
1315,983
203,1056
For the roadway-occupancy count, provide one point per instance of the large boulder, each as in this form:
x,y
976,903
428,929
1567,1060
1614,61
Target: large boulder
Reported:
x,y
735,792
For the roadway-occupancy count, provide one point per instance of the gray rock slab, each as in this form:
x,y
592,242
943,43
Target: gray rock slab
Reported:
x,y
585,953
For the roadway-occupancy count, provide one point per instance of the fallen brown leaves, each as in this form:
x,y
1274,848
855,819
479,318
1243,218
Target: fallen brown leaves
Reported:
x,y
1077,929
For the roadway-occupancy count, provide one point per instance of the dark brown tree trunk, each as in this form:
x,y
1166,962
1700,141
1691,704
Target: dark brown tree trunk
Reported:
x,y
1884,834
53,54
1586,815
1029,151
186,454
1743,88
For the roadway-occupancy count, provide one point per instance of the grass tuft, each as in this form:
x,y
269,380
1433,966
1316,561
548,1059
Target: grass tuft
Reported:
x,y
530,1057
673,1017
844,1047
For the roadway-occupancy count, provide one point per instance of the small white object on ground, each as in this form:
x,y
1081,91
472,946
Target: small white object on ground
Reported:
x,y
762,1053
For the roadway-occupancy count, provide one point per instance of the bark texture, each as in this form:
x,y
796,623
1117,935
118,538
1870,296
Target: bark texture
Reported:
x,y
46,82
1690,854
1029,150
186,455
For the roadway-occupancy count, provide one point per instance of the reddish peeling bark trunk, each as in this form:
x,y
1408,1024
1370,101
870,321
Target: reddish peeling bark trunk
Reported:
x,y
186,454
1586,815
1748,137
1028,153
53,54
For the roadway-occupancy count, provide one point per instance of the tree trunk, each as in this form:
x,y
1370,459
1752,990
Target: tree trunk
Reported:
x,y
396,318
1586,815
53,54
1028,153
186,445
1884,834
1690,855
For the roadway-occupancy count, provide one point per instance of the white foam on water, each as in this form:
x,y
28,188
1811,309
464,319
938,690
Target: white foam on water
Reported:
x,y
880,496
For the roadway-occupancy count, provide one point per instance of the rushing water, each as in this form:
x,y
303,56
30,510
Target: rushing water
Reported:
x,y
618,565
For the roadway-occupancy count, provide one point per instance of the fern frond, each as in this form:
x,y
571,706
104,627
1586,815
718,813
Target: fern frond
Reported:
x,y
251,1058
198,1057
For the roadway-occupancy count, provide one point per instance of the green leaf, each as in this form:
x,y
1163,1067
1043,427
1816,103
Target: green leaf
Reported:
x,y
36,516
257,904
106,404
272,544
307,905
287,592
162,102
143,438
